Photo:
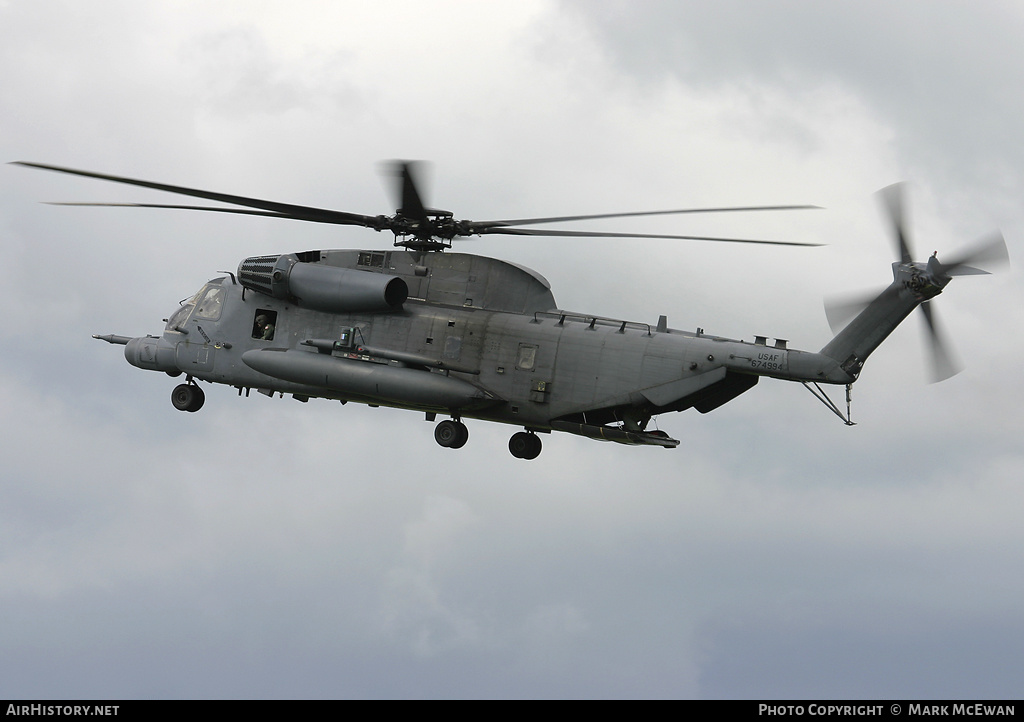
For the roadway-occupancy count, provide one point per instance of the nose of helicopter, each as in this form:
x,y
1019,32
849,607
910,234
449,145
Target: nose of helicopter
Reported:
x,y
151,353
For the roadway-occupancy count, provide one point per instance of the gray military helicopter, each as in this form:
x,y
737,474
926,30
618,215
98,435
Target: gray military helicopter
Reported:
x,y
470,337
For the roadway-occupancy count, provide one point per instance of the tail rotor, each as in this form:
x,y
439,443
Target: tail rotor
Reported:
x,y
923,280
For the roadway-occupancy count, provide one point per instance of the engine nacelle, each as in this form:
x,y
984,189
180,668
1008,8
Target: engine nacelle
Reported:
x,y
322,288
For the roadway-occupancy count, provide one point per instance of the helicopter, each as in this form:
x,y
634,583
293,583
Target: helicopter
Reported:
x,y
464,336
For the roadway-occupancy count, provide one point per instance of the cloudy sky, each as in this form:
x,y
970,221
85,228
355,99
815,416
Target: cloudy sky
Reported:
x,y
266,548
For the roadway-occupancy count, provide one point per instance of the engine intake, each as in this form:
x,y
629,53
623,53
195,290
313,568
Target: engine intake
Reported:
x,y
322,288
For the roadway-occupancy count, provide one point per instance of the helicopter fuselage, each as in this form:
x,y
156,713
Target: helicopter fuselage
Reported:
x,y
474,337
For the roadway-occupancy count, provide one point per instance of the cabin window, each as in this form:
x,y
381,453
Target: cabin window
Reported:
x,y
264,325
374,259
527,357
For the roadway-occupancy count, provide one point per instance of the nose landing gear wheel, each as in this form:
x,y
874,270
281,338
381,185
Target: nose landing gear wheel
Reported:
x,y
525,445
451,434
188,397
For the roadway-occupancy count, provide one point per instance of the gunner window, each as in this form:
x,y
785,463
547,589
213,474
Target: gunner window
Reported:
x,y
264,325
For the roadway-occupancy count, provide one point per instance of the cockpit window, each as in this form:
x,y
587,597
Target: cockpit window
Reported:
x,y
178,317
211,303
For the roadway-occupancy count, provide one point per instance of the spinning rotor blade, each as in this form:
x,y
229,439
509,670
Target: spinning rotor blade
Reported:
x,y
892,199
840,310
428,228
943,364
284,210
239,211
410,202
990,251
600,234
480,226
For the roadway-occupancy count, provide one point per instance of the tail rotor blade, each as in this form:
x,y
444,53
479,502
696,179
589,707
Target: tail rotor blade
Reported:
x,y
965,271
944,365
988,252
892,200
840,310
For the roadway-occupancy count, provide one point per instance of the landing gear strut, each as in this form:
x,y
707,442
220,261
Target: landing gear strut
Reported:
x,y
525,445
451,434
188,397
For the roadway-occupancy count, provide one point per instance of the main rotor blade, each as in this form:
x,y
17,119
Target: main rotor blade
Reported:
x,y
238,211
943,364
407,193
990,251
285,210
892,200
559,219
600,234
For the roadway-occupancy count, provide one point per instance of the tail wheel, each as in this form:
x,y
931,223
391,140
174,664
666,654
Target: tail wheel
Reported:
x,y
525,445
451,434
188,397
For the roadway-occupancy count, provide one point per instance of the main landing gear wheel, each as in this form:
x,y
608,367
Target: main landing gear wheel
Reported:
x,y
451,434
525,445
188,397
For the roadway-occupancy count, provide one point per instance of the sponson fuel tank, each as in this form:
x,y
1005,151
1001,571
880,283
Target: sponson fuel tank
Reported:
x,y
322,288
367,380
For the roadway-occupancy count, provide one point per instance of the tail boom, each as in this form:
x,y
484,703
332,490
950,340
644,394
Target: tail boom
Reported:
x,y
866,332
